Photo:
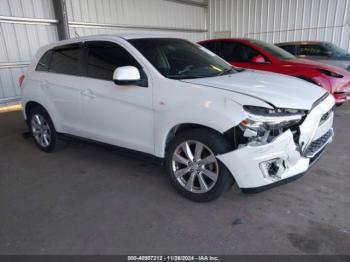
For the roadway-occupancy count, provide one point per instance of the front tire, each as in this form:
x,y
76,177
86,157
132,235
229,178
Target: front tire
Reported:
x,y
42,129
193,168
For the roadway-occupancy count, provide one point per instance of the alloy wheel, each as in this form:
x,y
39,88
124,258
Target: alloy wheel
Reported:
x,y
195,166
41,130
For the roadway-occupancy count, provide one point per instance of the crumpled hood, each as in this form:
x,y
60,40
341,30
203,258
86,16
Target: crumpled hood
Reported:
x,y
280,90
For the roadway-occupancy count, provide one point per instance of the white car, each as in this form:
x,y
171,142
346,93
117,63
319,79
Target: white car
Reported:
x,y
210,123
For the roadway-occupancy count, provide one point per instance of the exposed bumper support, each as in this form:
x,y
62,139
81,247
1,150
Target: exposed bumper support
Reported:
x,y
244,163
284,181
263,166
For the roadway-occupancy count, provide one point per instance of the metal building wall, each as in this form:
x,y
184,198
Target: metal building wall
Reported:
x,y
185,19
282,20
24,27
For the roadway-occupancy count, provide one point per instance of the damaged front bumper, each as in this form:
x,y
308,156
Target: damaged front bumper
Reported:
x,y
258,167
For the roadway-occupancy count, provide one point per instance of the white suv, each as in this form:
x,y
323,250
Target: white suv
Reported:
x,y
211,123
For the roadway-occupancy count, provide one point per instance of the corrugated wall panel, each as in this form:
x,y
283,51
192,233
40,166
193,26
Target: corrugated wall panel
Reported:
x,y
19,40
81,31
282,20
27,8
114,16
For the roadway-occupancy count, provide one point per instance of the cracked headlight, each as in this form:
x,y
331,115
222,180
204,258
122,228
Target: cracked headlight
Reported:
x,y
263,119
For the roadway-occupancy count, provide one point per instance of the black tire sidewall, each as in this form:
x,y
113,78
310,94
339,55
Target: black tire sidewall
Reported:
x,y
41,111
215,142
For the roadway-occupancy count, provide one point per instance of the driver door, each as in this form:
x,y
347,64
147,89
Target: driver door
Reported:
x,y
118,115
241,55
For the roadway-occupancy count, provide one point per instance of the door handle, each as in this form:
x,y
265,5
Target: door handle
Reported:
x,y
44,84
88,93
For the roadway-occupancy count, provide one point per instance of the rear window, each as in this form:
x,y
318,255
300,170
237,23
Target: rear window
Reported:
x,y
313,50
61,60
65,60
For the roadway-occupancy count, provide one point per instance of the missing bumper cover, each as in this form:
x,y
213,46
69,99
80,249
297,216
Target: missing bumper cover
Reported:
x,y
273,168
316,146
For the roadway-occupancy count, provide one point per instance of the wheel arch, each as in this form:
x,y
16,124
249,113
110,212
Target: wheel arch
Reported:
x,y
32,104
177,129
29,106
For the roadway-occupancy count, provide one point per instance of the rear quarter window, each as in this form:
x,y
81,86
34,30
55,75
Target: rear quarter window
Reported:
x,y
44,62
65,60
62,60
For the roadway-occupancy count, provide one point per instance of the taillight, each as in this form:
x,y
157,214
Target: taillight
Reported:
x,y
20,80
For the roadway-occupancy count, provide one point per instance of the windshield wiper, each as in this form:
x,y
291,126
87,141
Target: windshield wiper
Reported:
x,y
231,70
227,71
185,76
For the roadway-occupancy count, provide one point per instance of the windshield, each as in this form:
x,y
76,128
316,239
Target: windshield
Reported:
x,y
274,50
181,59
337,50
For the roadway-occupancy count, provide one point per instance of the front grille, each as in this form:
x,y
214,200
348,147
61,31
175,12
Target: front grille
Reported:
x,y
317,145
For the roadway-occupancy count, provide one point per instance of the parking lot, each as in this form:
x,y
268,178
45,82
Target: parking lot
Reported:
x,y
88,199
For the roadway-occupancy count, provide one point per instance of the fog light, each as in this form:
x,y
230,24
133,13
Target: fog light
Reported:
x,y
272,168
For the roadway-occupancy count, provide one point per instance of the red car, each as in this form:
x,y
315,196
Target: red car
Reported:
x,y
255,54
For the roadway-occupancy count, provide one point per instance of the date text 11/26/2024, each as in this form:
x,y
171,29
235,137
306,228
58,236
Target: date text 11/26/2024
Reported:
x,y
173,258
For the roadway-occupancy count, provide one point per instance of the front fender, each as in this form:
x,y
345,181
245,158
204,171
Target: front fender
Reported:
x,y
177,103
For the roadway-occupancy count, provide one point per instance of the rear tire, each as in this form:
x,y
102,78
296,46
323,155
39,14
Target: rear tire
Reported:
x,y
193,168
43,130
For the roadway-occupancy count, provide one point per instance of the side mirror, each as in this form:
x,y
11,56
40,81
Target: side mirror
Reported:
x,y
128,75
259,59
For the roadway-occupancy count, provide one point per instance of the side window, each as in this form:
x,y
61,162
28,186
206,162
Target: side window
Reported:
x,y
210,46
44,62
290,49
313,50
237,52
65,60
227,50
104,57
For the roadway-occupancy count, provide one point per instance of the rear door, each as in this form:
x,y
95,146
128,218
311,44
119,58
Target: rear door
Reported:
x,y
113,114
60,82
